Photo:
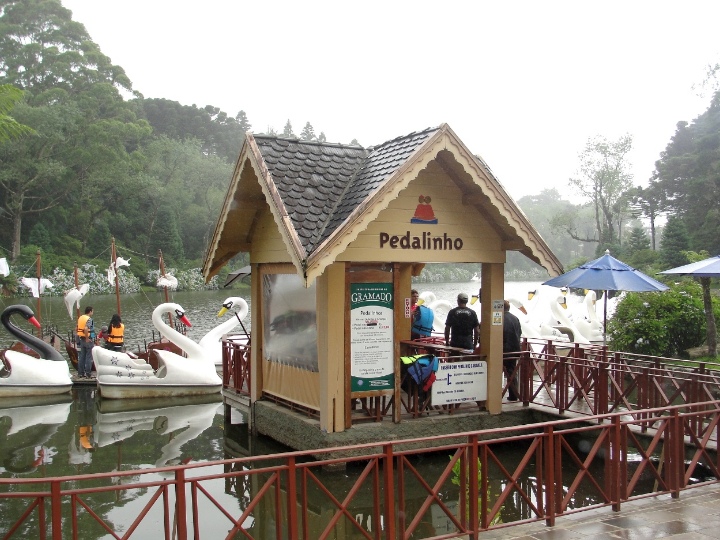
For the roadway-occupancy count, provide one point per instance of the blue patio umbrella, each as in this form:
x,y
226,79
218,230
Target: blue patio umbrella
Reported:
x,y
607,274
703,270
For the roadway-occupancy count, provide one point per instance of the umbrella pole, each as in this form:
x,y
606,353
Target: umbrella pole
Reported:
x,y
605,318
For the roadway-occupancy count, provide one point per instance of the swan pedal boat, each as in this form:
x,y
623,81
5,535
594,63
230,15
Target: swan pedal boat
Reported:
x,y
23,375
120,376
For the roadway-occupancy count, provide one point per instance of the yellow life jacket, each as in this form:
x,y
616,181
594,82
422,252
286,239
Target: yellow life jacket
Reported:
x,y
116,335
82,330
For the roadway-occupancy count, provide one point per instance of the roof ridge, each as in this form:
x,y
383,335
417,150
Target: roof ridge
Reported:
x,y
426,130
303,141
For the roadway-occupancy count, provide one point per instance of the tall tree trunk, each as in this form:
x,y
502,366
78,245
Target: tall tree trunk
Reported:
x,y
17,228
710,317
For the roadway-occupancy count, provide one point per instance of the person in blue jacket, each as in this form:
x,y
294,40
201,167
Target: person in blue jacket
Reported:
x,y
422,317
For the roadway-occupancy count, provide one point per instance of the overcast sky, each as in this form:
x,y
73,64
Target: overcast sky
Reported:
x,y
524,84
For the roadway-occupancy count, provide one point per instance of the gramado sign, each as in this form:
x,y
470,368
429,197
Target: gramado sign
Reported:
x,y
425,241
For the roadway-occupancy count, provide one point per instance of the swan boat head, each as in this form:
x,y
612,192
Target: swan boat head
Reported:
x,y
45,350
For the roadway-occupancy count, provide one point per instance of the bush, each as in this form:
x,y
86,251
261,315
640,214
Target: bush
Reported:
x,y
660,324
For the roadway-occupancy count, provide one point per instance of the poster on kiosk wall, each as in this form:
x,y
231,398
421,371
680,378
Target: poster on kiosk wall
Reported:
x,y
371,337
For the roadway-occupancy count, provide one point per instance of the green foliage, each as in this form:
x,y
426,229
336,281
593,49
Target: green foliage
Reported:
x,y
688,176
664,323
674,242
40,236
9,128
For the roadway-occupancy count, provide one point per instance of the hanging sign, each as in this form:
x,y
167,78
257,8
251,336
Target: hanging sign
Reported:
x,y
371,337
460,382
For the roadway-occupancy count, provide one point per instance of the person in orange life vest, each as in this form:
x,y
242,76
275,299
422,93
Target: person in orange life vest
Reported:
x,y
115,336
86,340
422,317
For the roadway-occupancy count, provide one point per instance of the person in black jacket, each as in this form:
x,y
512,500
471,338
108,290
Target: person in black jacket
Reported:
x,y
511,350
462,327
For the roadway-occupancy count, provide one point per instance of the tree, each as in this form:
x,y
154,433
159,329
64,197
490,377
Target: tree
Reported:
x,y
308,133
243,122
688,173
42,48
9,128
219,134
674,242
321,137
542,210
33,175
73,103
603,180
649,202
288,130
638,241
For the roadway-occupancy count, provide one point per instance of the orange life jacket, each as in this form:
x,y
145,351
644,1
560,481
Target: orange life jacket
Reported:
x,y
116,335
82,330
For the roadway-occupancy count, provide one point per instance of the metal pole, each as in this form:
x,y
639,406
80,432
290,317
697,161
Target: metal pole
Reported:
x,y
38,272
162,273
115,271
77,286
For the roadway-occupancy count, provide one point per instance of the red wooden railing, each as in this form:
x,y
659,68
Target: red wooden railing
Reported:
x,y
381,494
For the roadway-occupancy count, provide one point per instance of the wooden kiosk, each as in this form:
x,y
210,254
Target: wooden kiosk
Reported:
x,y
335,234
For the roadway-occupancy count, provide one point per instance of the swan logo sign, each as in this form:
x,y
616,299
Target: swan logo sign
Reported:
x,y
424,215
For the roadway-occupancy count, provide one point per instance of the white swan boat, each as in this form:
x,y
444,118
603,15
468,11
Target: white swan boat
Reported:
x,y
119,376
23,375
212,341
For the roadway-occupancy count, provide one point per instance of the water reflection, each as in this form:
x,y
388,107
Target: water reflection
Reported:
x,y
25,430
178,424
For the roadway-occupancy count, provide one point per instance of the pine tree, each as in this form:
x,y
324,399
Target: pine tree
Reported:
x,y
288,131
674,241
308,133
243,122
638,241
322,137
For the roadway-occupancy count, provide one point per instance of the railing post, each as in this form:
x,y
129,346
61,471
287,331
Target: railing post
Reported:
x,y
292,504
55,510
475,490
389,490
677,454
561,390
180,504
549,457
616,458
601,389
525,378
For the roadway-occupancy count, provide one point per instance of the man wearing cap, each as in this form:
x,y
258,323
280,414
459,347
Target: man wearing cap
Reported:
x,y
462,328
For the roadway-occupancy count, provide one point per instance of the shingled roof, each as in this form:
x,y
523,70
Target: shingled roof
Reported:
x,y
321,184
322,194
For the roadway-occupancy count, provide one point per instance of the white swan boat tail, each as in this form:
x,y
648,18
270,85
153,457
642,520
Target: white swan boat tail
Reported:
x,y
23,375
120,376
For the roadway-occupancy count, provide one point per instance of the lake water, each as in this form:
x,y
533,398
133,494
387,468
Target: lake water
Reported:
x,y
202,307
80,433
